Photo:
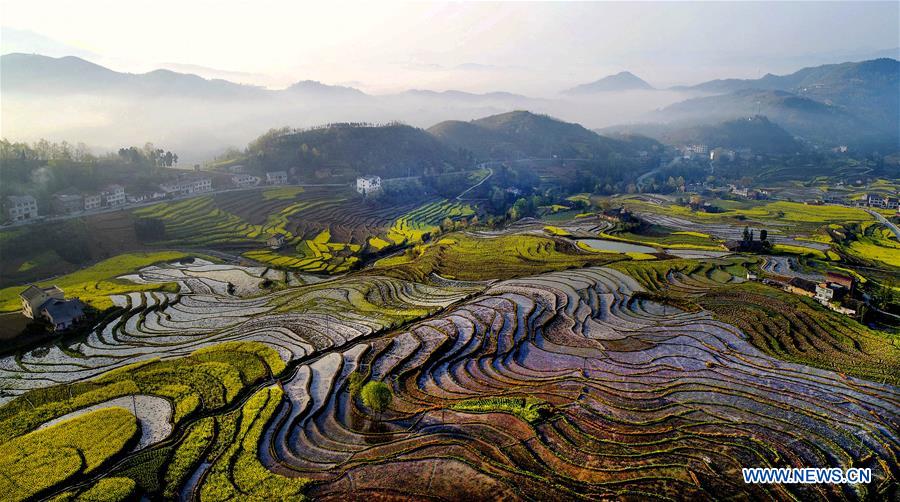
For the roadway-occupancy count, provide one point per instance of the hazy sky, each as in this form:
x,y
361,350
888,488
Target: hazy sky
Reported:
x,y
533,48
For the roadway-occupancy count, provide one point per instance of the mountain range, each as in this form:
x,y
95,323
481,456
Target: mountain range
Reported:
x,y
846,103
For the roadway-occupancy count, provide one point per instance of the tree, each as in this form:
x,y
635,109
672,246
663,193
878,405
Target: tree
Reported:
x,y
376,396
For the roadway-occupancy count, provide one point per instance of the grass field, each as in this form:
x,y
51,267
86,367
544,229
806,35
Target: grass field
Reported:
x,y
94,284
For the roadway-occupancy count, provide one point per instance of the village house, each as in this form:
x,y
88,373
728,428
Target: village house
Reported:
x,y
694,149
881,201
92,202
368,185
722,154
67,203
187,186
245,180
34,297
801,286
113,196
276,241
20,208
50,303
277,178
63,314
145,196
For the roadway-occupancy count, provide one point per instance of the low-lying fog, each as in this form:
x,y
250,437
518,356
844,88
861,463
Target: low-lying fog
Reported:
x,y
201,128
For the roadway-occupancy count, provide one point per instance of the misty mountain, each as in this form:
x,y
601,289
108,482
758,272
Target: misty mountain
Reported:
x,y
622,81
315,89
830,81
847,103
34,74
757,133
522,134
815,121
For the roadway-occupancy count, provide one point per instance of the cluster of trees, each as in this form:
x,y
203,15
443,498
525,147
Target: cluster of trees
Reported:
x,y
44,167
43,151
340,152
149,155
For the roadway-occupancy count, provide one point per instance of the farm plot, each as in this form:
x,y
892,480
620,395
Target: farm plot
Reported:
x,y
475,256
296,322
731,231
567,385
154,414
410,227
781,324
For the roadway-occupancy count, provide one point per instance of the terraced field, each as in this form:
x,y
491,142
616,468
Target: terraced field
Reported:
x,y
642,401
325,229
297,322
479,365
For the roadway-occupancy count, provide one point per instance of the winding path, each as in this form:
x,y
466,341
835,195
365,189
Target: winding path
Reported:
x,y
476,185
885,221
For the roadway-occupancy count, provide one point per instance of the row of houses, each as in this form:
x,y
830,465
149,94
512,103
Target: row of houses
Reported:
x,y
23,208
834,292
879,201
70,202
186,186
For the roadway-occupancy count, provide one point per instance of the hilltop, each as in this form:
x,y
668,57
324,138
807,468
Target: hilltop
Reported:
x,y
344,151
524,134
622,81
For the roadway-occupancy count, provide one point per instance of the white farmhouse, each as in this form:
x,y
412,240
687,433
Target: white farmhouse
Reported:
x,y
21,208
113,195
187,186
276,178
368,185
245,180
92,201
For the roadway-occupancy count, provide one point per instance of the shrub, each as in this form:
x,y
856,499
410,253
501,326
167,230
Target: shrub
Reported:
x,y
376,396
527,408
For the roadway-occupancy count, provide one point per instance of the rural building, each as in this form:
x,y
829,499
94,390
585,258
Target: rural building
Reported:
x,y
62,314
145,196
67,203
113,195
276,241
245,180
722,154
51,304
839,279
276,178
368,185
20,208
881,201
187,186
92,202
34,297
800,286
826,292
